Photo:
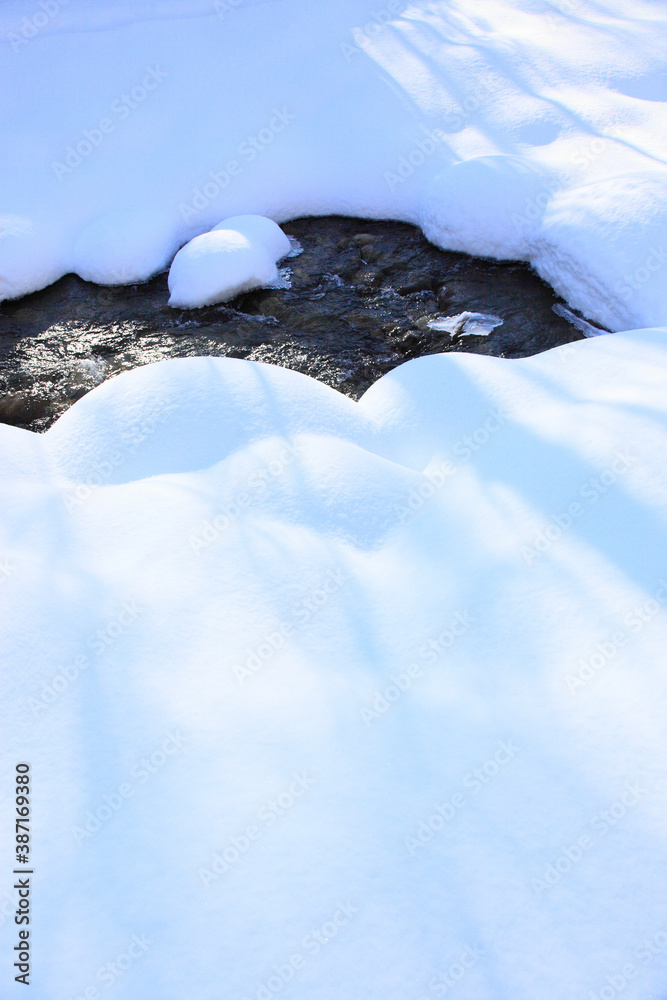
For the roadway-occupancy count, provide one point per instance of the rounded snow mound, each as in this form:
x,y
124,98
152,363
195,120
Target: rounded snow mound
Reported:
x,y
240,253
123,246
259,229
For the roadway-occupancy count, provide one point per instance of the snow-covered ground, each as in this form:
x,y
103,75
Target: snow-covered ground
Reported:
x,y
327,700
530,129
372,694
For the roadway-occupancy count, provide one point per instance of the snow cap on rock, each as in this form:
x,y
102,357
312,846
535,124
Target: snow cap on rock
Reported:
x,y
238,254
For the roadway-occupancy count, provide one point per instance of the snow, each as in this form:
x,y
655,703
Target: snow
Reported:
x,y
524,129
327,699
261,231
238,254
336,699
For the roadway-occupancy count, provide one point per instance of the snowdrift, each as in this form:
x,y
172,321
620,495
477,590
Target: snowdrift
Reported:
x,y
333,699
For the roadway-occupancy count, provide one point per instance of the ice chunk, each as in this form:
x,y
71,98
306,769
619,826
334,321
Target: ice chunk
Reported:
x,y
466,324
580,324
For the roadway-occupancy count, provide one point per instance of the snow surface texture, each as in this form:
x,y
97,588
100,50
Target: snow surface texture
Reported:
x,y
525,129
328,699
238,254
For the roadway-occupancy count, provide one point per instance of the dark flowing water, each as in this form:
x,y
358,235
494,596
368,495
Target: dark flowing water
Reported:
x,y
360,299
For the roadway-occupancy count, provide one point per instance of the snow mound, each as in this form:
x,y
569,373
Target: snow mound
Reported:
x,y
123,246
238,254
262,232
334,699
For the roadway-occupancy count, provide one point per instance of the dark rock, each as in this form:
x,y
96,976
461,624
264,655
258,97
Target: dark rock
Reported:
x,y
23,409
444,297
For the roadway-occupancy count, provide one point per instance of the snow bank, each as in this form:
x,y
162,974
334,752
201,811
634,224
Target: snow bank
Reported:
x,y
237,255
335,699
510,128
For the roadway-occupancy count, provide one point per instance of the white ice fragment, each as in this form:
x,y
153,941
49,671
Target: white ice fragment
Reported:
x,y
296,247
466,324
578,323
284,279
